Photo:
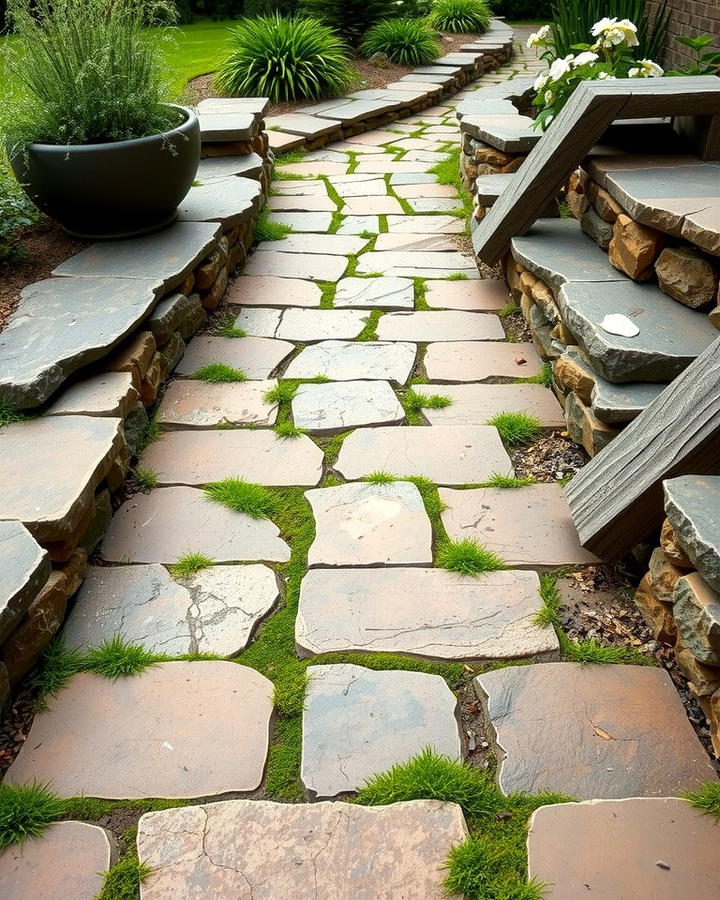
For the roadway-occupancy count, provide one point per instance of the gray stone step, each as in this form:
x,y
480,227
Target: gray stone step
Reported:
x,y
509,133
692,504
25,570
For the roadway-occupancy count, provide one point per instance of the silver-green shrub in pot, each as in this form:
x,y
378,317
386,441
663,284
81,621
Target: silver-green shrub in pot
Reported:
x,y
88,126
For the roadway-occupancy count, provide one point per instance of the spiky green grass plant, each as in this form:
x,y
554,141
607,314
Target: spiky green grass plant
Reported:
x,y
26,810
219,373
516,428
405,42
254,500
190,564
145,479
117,658
706,798
467,557
461,16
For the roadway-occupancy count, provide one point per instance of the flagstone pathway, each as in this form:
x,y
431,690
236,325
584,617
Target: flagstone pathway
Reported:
x,y
372,294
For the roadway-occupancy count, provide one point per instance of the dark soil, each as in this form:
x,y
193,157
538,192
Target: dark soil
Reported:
x,y
552,457
515,325
14,727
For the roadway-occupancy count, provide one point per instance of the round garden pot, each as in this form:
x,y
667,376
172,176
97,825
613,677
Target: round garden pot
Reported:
x,y
113,190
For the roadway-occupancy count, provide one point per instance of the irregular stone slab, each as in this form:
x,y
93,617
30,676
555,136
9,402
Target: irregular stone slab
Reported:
x,y
333,244
470,453
636,836
425,225
434,204
470,361
375,293
607,739
314,168
303,221
280,849
528,527
226,125
490,295
257,106
413,178
49,469
317,266
373,138
214,611
166,524
489,187
199,404
218,168
257,357
25,571
476,404
451,325
298,123
163,258
198,457
358,722
272,291
697,615
427,190
692,504
179,729
360,186
335,406
279,142
105,394
511,134
67,860
354,361
363,206
304,186
359,224
62,325
370,524
310,325
614,403
428,613
421,265
301,204
416,242
231,202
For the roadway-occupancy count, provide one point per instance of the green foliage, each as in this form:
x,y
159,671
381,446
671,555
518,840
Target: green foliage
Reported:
x,y
483,869
287,430
283,392
290,156
85,71
706,798
369,332
189,564
284,59
151,432
467,557
116,658
573,21
406,42
548,614
265,230
122,881
16,213
59,666
544,376
507,482
461,16
26,810
243,496
516,428
350,18
8,414
227,328
145,479
416,402
219,373
380,478
591,651
705,63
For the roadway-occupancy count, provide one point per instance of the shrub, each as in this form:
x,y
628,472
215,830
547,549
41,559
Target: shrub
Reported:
x,y
86,72
461,16
16,213
406,42
284,59
350,18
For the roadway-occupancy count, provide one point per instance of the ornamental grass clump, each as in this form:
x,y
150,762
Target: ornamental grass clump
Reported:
x,y
284,59
351,18
86,72
461,16
405,42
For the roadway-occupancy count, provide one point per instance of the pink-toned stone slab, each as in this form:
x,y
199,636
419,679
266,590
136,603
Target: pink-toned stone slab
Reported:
x,y
427,613
370,524
333,244
425,190
416,242
104,394
489,295
444,454
281,142
264,850
354,361
198,457
416,144
472,361
375,293
652,849
338,405
301,204
303,187
303,221
360,186
66,861
413,264
199,404
268,290
257,357
178,729
168,523
369,206
358,722
476,404
359,225
310,325
390,166
316,266
360,149
592,731
445,325
373,138
528,527
425,225
315,168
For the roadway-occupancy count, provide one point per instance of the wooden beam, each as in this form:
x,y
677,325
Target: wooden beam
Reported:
x,y
617,499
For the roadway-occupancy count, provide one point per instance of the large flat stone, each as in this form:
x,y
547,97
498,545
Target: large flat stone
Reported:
x,y
301,204
375,293
469,453
332,244
179,730
316,266
476,404
257,357
412,264
511,133
227,124
360,186
63,324
659,848
427,613
355,360
105,394
592,732
358,722
259,456
25,571
441,325
303,221
416,242
49,469
299,123
692,504
236,847
218,168
425,225
199,404
67,860
301,186
697,614
470,361
359,225
168,523
214,611
338,405
269,291
230,202
614,403
370,524
490,295
367,206
305,325
528,527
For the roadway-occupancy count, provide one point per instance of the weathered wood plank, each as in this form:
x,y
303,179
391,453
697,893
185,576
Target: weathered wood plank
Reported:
x,y
617,499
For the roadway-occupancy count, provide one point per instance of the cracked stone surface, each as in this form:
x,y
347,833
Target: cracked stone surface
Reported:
x,y
168,523
475,296
475,404
257,357
25,570
527,527
260,849
358,722
411,264
450,325
608,739
370,524
200,404
305,325
470,453
269,290
375,293
67,860
415,242
350,361
333,244
336,406
214,611
198,457
428,613
177,730
692,504
316,266
464,361
364,206
635,835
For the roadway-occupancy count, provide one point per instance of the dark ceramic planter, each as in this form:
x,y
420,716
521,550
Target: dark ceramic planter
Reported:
x,y
113,190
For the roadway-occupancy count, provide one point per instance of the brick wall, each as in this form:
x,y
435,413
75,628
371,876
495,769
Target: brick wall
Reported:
x,y
691,18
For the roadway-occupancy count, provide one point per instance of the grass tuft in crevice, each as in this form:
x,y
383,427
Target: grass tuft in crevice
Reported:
x,y
117,658
227,328
467,557
507,482
516,428
145,479
219,373
9,415
265,230
706,798
26,810
190,564
254,500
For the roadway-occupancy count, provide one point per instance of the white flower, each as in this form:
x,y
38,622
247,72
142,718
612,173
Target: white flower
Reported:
x,y
561,67
650,69
548,97
615,32
634,73
605,76
540,83
585,59
539,37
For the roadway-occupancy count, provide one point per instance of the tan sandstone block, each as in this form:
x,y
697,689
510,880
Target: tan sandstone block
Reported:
x,y
657,614
607,208
687,276
634,248
674,553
